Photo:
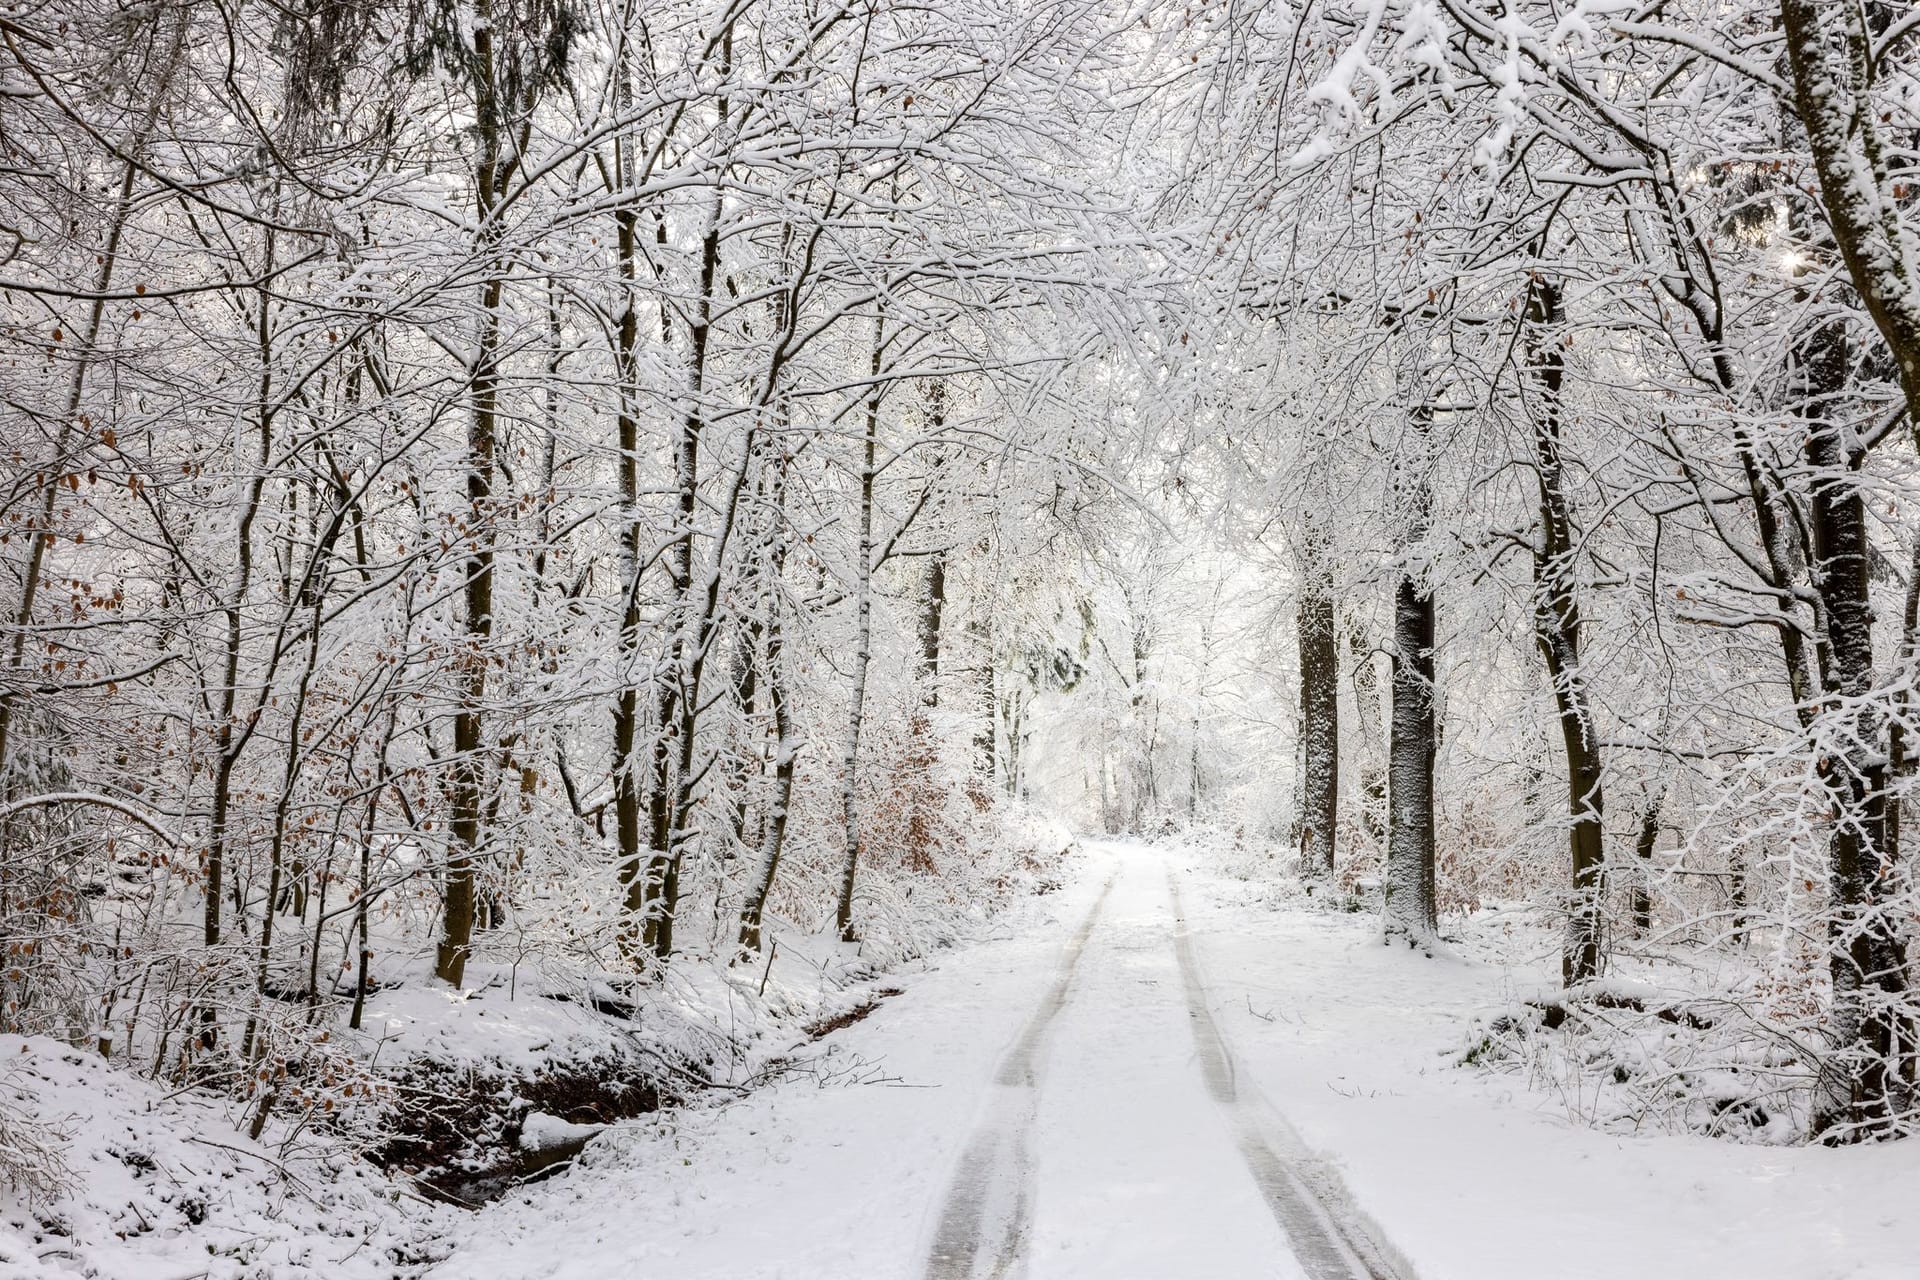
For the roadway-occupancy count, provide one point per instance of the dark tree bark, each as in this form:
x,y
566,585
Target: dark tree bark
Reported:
x,y
1830,51
1412,913
1556,620
1410,896
1643,847
465,801
628,765
773,833
1319,712
1869,1079
933,603
1900,758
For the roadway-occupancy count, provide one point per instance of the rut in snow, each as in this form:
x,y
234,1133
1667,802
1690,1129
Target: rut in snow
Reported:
x,y
1327,1233
989,1205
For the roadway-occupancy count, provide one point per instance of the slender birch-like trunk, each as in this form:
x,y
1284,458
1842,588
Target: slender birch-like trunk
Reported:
x,y
862,649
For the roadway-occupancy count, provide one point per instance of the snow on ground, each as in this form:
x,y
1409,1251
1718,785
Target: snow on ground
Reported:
x,y
163,1186
1473,1177
158,1183
836,1171
1136,1174
842,1169
1118,1153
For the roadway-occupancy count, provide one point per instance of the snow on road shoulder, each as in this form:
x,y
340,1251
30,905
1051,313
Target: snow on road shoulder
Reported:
x,y
1475,1177
160,1185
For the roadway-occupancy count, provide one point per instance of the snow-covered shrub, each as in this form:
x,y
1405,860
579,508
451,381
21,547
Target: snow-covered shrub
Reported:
x,y
33,1162
1632,1057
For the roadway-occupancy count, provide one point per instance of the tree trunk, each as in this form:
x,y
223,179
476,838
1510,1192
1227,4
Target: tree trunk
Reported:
x,y
1900,759
1830,51
986,727
1868,1081
677,706
1199,700
1319,712
628,765
363,899
1643,848
1412,913
1556,620
773,834
932,603
773,831
466,802
1367,721
862,652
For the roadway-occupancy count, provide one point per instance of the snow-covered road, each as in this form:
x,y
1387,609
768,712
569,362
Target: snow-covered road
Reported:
x,y
1131,1147
1100,1094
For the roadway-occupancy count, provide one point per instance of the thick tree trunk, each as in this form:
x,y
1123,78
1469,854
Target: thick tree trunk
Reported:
x,y
1830,51
1141,793
1900,758
1194,726
1319,715
919,775
933,601
1411,914
466,794
1868,1082
1411,906
985,729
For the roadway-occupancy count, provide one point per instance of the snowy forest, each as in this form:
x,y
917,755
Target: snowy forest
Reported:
x,y
594,589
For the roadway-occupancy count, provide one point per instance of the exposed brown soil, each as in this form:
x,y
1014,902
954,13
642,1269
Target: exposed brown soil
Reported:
x,y
827,1026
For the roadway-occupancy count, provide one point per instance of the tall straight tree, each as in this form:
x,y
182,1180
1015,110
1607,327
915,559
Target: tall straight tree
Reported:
x,y
505,55
1556,620
1318,634
1412,914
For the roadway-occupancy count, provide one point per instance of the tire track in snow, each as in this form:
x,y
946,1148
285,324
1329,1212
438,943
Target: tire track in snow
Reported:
x,y
989,1205
1329,1235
